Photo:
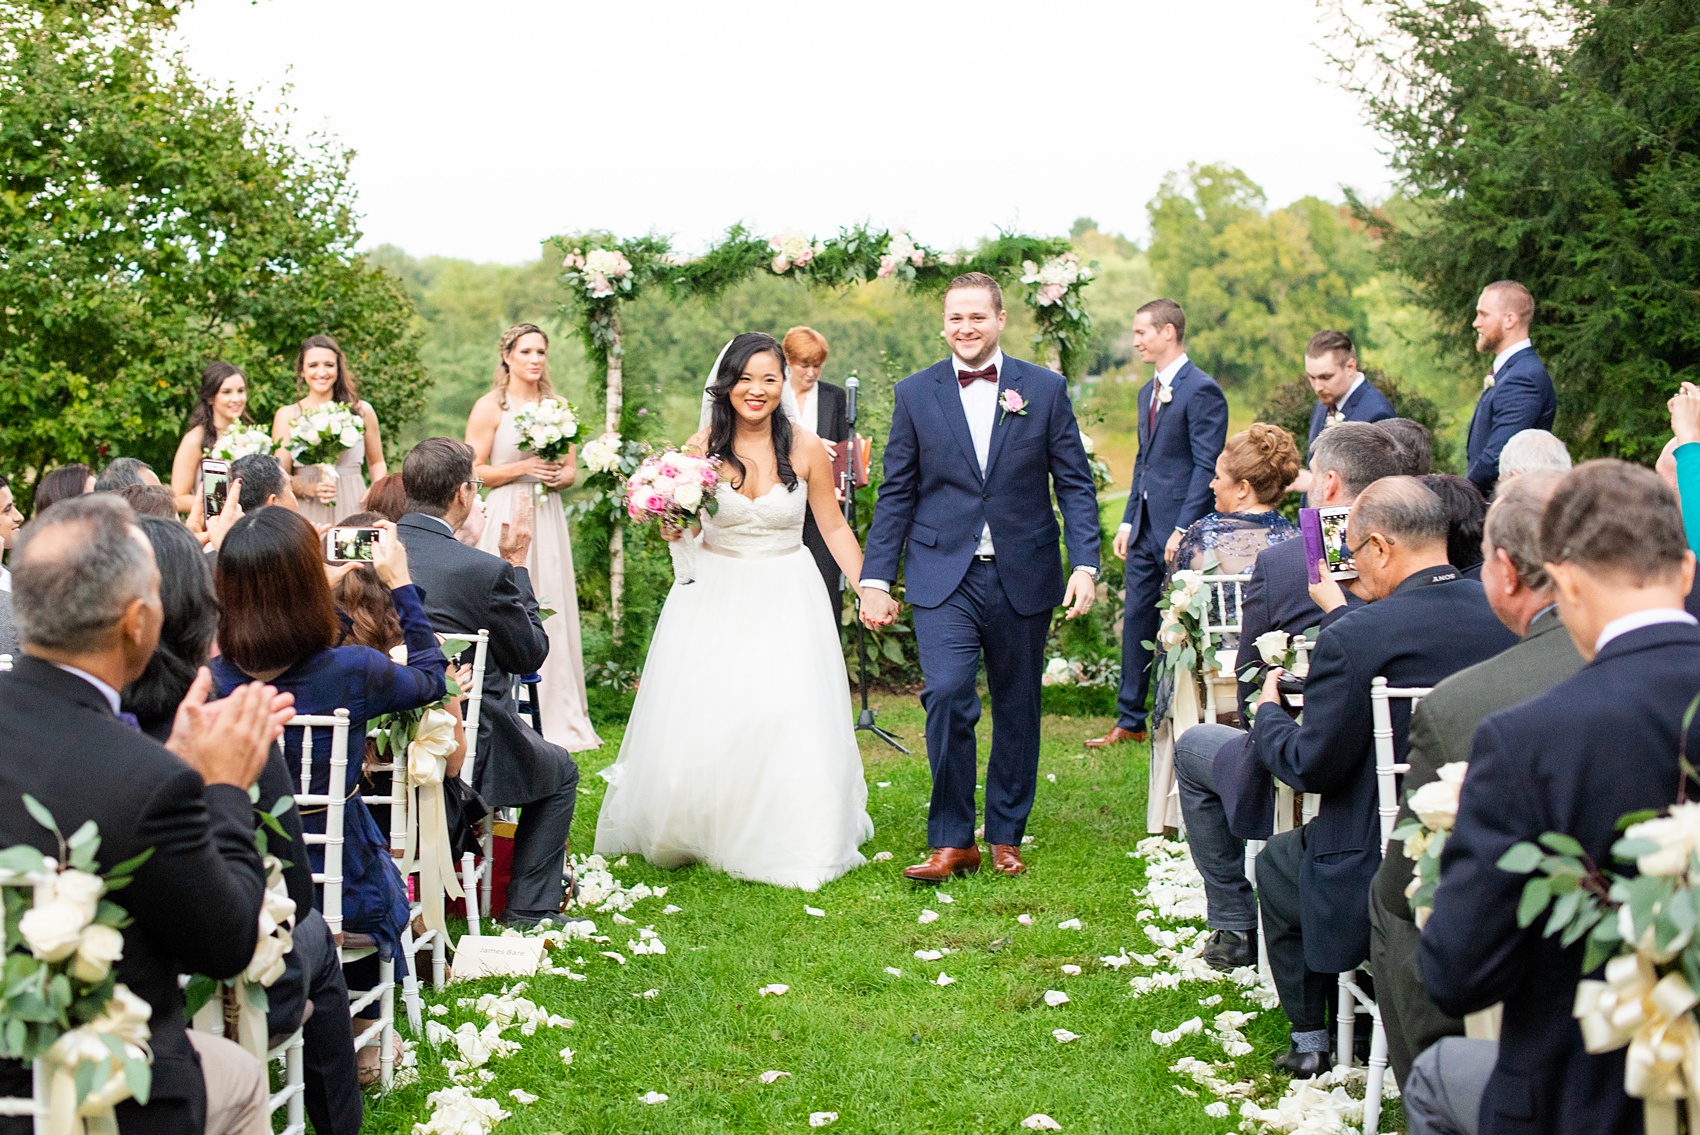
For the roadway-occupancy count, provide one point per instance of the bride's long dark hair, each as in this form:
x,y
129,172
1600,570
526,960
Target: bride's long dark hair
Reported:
x,y
723,419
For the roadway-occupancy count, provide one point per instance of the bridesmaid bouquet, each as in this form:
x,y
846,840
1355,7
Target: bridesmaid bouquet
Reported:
x,y
546,430
235,444
320,436
672,487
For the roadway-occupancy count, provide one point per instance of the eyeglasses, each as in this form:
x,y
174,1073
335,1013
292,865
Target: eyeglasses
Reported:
x,y
476,483
1353,552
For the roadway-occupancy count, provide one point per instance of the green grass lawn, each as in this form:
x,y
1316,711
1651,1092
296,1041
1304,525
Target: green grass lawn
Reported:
x,y
889,1054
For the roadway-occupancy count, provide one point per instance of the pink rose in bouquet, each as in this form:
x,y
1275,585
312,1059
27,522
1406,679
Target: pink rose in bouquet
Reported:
x,y
672,487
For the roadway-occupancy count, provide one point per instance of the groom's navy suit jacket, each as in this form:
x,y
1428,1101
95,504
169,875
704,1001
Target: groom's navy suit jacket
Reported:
x,y
1172,474
934,501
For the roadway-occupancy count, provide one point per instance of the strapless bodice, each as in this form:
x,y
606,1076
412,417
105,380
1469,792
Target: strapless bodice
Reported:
x,y
770,525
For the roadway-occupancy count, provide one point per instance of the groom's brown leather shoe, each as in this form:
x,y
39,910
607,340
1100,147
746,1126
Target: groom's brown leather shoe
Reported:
x,y
1116,736
943,863
1006,859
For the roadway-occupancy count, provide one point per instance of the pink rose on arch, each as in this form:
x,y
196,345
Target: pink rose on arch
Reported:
x,y
888,265
1012,402
1050,294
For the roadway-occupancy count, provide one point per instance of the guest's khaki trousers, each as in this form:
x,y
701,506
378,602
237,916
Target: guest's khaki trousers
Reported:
x,y
238,1094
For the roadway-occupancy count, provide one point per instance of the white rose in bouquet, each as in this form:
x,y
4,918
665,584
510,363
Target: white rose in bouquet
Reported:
x,y
602,455
99,948
1436,803
53,929
688,496
1271,645
1678,835
81,889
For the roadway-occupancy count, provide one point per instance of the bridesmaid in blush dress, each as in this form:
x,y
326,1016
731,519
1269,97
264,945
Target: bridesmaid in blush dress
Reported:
x,y
323,369
521,380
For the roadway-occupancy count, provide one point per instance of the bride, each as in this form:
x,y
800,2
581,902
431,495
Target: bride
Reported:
x,y
739,752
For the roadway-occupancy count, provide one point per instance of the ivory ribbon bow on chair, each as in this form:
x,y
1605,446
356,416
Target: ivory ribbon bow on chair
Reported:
x,y
126,1020
428,850
1654,1016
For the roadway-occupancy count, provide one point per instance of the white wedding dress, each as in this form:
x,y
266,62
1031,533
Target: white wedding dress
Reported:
x,y
740,753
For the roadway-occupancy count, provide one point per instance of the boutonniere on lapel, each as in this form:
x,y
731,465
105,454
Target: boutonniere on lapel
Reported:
x,y
1334,419
1165,394
1012,403
1487,382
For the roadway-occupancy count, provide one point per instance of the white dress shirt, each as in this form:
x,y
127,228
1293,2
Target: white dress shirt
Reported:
x,y
106,691
1340,406
5,579
1499,359
980,405
1636,620
808,409
1166,381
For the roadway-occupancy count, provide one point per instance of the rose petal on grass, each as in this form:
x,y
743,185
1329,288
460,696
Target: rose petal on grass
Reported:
x,y
1217,1110
671,909
928,916
648,994
882,856
894,971
1041,1122
1051,776
776,989
624,921
944,898
1069,924
1024,919
814,912
653,1098
1055,997
770,1077
1063,1036
523,1096
944,979
1026,839
929,955
1071,970
566,1056
438,1010
822,1118
882,784
621,958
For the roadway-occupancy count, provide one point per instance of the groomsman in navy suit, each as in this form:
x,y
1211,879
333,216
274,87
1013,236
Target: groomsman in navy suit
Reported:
x,y
1343,394
977,443
1518,394
1183,424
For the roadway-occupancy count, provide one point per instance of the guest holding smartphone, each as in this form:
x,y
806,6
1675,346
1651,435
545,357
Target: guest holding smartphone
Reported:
x,y
223,403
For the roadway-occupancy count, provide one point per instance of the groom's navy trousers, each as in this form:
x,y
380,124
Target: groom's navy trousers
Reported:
x,y
952,636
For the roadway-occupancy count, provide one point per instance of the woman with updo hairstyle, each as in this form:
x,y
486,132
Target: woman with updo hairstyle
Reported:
x,y
524,485
1252,474
323,377
223,403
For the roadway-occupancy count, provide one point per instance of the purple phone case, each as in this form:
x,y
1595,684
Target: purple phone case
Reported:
x,y
1310,528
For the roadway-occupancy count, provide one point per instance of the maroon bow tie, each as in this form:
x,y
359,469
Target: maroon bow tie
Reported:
x,y
990,374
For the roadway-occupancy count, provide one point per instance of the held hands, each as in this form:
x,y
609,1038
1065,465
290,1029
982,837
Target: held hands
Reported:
x,y
879,609
1326,593
1685,414
1082,591
391,557
228,741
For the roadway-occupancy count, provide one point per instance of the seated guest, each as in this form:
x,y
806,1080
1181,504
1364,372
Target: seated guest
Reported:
x,y
277,621
10,519
1343,394
468,590
62,484
87,594
1528,450
262,483
1228,798
1414,444
189,609
1252,472
386,497
122,472
1465,511
1421,623
1598,745
150,500
1520,593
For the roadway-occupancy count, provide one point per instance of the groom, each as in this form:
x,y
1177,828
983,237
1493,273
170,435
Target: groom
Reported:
x,y
976,443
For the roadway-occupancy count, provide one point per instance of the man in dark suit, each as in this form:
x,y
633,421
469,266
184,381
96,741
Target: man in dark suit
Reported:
x,y
86,588
1518,394
1422,622
1343,394
977,443
1520,593
1183,424
1599,745
821,409
1226,796
466,591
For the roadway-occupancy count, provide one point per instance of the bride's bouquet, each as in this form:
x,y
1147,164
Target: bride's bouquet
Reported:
x,y
672,487
239,442
319,436
546,429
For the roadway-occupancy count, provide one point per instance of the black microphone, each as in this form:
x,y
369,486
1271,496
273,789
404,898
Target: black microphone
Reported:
x,y
851,385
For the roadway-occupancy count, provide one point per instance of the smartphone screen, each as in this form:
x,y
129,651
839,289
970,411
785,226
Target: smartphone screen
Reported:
x,y
215,485
1335,545
351,545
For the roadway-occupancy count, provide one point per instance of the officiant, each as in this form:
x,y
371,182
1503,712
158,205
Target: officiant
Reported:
x,y
821,411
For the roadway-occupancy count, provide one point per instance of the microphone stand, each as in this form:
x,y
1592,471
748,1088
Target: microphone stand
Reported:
x,y
865,719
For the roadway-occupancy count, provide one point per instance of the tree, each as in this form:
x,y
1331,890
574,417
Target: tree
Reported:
x,y
148,225
1256,285
1571,165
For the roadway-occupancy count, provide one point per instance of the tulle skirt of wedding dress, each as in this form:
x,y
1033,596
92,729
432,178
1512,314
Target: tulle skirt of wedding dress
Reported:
x,y
740,752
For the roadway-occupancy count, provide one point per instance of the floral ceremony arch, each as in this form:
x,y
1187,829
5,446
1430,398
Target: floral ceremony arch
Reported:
x,y
601,273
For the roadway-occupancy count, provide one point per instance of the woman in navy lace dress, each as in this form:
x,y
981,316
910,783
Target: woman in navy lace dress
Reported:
x,y
277,620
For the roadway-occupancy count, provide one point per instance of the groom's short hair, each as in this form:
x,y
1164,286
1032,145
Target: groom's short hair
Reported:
x,y
978,280
1165,311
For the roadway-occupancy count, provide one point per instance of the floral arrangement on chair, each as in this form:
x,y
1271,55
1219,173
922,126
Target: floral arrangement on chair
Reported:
x,y
62,1003
1278,650
1181,637
1435,805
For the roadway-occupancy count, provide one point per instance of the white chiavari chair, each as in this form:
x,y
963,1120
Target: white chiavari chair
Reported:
x,y
352,947
289,1053
1353,999
473,872
5,665
33,1105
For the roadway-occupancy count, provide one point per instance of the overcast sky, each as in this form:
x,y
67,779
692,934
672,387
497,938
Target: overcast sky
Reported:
x,y
484,126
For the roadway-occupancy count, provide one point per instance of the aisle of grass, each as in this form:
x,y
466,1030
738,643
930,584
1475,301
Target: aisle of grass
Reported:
x,y
895,1055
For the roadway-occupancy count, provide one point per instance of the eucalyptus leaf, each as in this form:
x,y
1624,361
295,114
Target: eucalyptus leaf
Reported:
x,y
1563,844
1629,819
1537,892
41,814
1520,858
1563,911
197,993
